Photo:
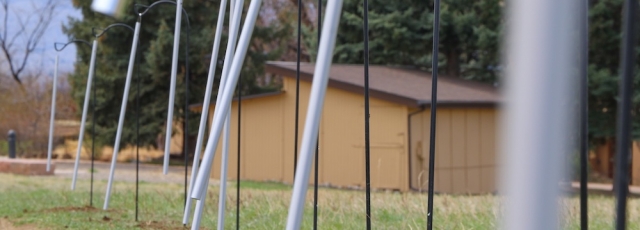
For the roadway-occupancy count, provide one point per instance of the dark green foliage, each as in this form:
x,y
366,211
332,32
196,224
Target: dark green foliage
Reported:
x,y
156,45
604,70
401,34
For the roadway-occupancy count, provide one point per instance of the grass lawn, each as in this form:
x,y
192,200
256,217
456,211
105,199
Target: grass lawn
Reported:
x,y
47,203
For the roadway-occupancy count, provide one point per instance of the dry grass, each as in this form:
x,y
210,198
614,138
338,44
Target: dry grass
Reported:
x,y
47,203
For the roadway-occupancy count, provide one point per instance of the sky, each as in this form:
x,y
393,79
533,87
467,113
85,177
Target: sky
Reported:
x,y
44,56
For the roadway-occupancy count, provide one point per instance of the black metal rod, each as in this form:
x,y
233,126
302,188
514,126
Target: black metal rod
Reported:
x,y
185,136
238,166
623,144
367,144
295,138
584,114
93,139
315,177
137,127
434,99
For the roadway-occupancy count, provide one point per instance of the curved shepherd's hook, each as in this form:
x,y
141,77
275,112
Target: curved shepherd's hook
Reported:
x,y
174,69
53,96
141,10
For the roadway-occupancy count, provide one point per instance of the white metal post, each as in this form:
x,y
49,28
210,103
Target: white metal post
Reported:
x,y
225,102
314,111
237,15
53,113
85,107
234,25
172,89
123,109
205,106
540,87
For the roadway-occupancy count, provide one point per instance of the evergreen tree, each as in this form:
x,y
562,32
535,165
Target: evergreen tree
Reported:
x,y
401,34
155,50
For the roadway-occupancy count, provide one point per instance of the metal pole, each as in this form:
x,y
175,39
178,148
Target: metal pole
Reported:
x,y
433,111
84,111
238,162
312,122
317,153
537,122
205,106
584,112
623,139
123,109
172,89
225,102
53,113
235,25
366,114
235,15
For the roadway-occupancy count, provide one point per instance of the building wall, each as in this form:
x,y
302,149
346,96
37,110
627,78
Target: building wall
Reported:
x,y
465,150
268,144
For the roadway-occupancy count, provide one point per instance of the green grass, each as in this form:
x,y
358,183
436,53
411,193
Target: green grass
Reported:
x,y
47,203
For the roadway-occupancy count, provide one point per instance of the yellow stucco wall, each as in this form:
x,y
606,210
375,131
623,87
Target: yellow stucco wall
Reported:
x,y
268,144
466,142
465,150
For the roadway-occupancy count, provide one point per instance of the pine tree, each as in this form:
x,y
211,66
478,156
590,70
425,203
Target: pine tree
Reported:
x,y
155,50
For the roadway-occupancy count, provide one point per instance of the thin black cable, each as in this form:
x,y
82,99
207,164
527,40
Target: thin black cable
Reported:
x,y
624,113
238,166
315,177
434,99
137,122
295,138
584,113
367,144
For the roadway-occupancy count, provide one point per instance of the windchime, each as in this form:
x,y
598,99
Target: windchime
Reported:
x,y
529,49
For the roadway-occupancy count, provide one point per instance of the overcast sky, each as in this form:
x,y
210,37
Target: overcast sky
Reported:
x,y
45,54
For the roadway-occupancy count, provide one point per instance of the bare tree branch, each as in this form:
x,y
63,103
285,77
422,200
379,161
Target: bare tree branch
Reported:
x,y
32,36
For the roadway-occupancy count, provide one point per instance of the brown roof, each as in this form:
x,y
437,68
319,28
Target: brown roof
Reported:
x,y
409,87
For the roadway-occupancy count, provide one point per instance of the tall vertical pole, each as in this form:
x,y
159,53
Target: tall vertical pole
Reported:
x,y
623,143
123,109
314,111
295,135
367,145
93,139
137,130
205,106
238,162
85,107
433,111
53,113
172,89
225,102
317,154
538,120
584,112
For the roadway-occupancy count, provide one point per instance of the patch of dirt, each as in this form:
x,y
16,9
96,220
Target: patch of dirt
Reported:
x,y
70,209
159,225
5,224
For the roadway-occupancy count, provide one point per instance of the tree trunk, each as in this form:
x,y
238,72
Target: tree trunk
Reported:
x,y
453,63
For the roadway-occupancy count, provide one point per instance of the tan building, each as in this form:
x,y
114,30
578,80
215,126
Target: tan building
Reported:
x,y
400,100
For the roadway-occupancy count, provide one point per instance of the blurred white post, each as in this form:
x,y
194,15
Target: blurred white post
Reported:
x,y
314,111
172,87
53,113
225,102
123,109
541,84
205,106
85,107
